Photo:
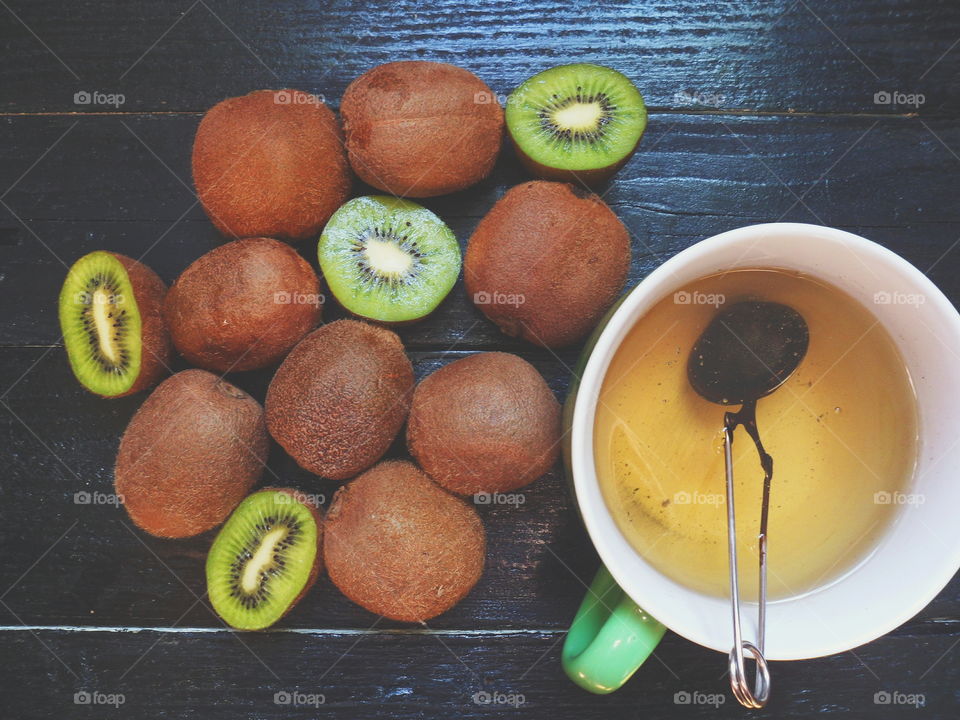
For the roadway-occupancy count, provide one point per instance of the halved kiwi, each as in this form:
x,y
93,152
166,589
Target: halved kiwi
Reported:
x,y
388,259
265,558
578,122
111,317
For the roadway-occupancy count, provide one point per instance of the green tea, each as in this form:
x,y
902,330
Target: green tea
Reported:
x,y
842,431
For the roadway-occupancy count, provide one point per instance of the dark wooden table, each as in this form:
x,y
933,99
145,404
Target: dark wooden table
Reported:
x,y
760,111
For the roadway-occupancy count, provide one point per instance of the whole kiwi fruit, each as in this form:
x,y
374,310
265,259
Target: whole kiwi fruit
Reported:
x,y
419,129
243,305
547,262
191,452
270,164
484,423
398,545
340,397
111,317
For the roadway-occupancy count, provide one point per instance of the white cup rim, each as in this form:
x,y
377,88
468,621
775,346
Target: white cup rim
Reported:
x,y
827,619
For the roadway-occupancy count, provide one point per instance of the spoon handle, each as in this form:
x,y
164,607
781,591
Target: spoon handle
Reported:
x,y
757,697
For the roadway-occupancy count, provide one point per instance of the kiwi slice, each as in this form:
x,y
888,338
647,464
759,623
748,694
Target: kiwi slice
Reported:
x,y
388,259
110,315
264,559
577,121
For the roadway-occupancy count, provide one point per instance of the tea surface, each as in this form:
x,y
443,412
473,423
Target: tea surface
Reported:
x,y
842,431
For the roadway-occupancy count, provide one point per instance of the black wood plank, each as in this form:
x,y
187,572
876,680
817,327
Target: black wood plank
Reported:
x,y
779,56
480,675
59,441
761,111
106,184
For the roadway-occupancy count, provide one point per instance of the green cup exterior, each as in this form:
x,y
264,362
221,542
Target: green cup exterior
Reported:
x,y
611,636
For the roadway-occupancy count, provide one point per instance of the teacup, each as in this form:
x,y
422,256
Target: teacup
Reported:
x,y
618,627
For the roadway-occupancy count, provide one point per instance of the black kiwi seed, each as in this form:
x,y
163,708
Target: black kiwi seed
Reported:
x,y
402,242
606,113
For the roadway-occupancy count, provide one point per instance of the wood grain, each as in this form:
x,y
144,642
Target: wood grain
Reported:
x,y
776,57
62,441
124,184
110,573
759,112
423,674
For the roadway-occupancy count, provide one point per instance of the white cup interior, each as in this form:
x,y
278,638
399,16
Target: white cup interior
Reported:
x,y
919,553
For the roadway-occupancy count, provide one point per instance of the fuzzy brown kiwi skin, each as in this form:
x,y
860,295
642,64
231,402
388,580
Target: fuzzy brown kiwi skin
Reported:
x,y
485,423
190,454
223,310
420,129
560,249
590,179
149,292
340,397
411,576
267,168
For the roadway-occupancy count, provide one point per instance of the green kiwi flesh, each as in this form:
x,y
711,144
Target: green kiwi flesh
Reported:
x,y
264,559
579,119
106,330
388,259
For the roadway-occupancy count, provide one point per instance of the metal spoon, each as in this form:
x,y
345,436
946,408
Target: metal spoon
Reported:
x,y
747,351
